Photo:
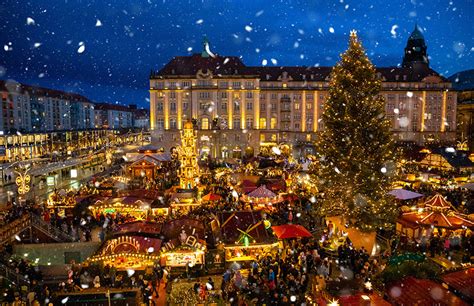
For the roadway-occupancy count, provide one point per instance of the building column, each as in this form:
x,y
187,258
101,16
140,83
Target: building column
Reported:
x,y
303,112
256,106
423,106
243,105
179,119
230,109
166,109
315,110
443,113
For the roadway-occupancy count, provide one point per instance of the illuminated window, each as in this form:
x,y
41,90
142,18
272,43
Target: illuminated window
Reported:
x,y
262,137
273,123
205,123
297,106
263,123
274,137
308,137
249,105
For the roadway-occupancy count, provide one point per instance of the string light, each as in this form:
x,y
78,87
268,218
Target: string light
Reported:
x,y
356,144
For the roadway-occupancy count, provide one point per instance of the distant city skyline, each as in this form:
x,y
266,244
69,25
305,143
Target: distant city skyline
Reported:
x,y
105,52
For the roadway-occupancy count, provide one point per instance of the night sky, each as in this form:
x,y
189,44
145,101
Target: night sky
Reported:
x,y
41,41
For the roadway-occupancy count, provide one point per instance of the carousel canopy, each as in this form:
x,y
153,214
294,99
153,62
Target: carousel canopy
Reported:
x,y
438,212
288,231
211,197
262,192
412,291
402,194
438,202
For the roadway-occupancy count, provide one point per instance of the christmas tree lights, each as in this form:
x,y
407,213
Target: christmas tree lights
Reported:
x,y
356,146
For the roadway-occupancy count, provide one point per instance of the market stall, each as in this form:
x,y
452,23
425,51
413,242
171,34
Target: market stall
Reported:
x,y
130,207
261,198
245,236
184,243
128,252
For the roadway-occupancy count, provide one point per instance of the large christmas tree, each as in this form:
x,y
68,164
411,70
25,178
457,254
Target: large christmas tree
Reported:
x,y
356,146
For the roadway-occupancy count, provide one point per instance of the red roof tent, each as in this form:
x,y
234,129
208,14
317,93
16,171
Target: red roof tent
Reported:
x,y
172,228
357,300
288,231
230,222
461,282
411,291
211,197
248,186
262,192
139,227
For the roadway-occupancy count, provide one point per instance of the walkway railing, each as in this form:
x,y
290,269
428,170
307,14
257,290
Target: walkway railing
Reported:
x,y
14,277
10,231
50,230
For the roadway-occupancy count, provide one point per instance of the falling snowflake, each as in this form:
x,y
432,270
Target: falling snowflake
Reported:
x,y
264,62
199,21
98,23
37,45
190,49
274,61
403,122
82,47
393,31
331,30
259,13
248,28
30,21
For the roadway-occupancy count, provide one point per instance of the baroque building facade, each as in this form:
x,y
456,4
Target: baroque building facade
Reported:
x,y
237,108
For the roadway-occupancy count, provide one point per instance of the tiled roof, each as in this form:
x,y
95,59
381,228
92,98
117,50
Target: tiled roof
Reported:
x,y
107,106
14,87
233,66
457,159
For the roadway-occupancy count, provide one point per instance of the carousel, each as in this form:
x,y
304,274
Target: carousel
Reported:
x,y
261,198
435,216
133,207
128,252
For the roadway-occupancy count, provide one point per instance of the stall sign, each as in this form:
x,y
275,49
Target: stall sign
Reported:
x,y
73,173
183,259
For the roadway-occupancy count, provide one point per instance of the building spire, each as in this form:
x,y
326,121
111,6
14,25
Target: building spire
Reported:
x,y
205,47
415,50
